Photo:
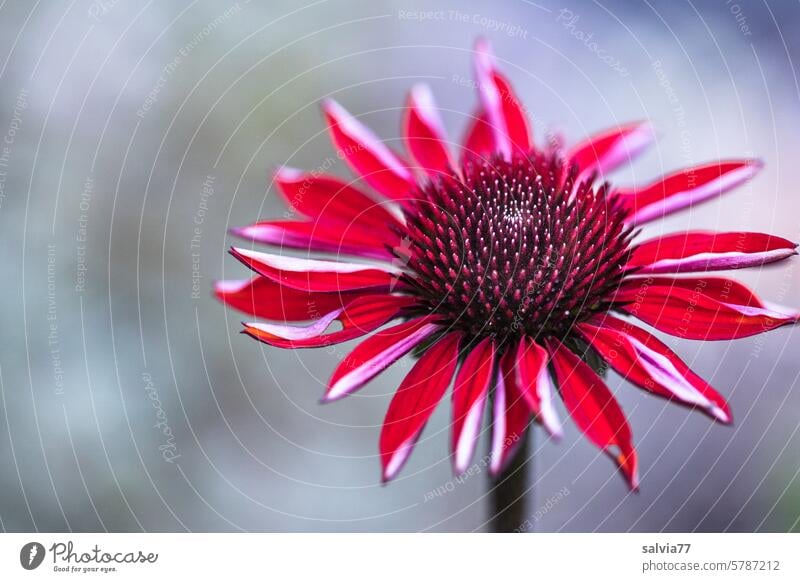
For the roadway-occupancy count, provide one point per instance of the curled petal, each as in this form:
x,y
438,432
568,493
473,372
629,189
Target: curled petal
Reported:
x,y
359,317
594,409
375,354
606,151
328,201
263,297
686,188
469,399
315,275
709,308
645,361
291,333
380,167
504,113
533,380
708,251
424,133
414,402
325,239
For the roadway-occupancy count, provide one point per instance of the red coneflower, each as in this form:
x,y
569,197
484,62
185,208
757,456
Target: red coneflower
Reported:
x,y
509,269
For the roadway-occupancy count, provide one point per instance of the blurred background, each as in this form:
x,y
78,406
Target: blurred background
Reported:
x,y
134,134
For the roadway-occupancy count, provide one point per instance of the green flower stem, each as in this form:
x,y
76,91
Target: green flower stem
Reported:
x,y
508,498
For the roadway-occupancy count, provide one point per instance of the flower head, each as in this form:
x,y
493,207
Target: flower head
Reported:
x,y
507,270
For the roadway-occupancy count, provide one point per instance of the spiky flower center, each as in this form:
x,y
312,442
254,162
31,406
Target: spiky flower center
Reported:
x,y
514,247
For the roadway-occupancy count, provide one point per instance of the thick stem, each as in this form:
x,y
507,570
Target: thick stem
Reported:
x,y
509,497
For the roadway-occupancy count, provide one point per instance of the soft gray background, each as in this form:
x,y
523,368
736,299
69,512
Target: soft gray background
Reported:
x,y
78,445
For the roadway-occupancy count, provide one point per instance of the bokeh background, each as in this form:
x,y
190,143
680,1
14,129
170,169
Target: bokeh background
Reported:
x,y
136,133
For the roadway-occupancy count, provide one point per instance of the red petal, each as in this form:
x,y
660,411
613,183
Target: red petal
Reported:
x,y
594,409
709,308
686,188
505,115
375,354
424,133
479,141
469,397
380,167
519,130
511,411
263,297
708,251
359,317
415,401
533,380
608,150
315,275
645,361
327,200
349,240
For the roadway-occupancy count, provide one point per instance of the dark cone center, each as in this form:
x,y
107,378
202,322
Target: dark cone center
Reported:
x,y
515,247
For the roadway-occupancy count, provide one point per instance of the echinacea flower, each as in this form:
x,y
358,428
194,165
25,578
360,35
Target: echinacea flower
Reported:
x,y
508,266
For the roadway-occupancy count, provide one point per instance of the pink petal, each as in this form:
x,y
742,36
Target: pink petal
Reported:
x,y
424,133
708,308
479,141
517,123
380,167
314,275
415,401
594,409
308,236
359,317
511,412
327,200
263,297
375,354
606,151
504,113
533,380
708,251
469,398
293,332
645,361
686,188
